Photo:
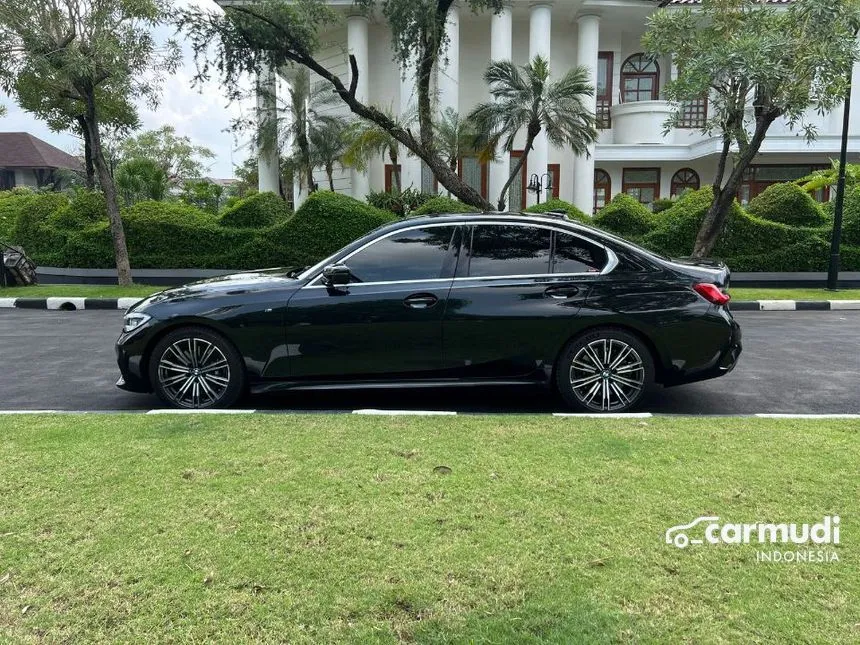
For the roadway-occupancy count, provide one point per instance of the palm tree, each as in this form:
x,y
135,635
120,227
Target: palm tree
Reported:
x,y
328,144
525,97
370,140
454,137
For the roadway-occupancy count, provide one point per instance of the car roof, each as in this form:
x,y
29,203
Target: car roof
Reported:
x,y
551,217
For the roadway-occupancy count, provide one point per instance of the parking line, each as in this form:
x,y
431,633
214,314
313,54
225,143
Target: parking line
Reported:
x,y
415,413
807,416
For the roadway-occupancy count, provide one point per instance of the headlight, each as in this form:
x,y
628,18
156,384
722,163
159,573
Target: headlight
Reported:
x,y
134,320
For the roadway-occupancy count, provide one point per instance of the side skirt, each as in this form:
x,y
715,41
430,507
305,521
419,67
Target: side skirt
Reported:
x,y
278,386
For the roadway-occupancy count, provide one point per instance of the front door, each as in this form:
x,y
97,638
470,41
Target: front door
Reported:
x,y
387,322
514,303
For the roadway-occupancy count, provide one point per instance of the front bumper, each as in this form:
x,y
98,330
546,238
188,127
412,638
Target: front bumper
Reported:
x,y
130,348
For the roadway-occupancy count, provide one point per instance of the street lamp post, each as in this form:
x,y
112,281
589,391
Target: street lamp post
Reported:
x,y
539,184
836,238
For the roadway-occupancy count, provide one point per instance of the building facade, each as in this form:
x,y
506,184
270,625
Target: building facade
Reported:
x,y
633,154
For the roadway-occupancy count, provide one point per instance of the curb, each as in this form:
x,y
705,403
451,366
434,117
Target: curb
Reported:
x,y
794,305
74,304
67,304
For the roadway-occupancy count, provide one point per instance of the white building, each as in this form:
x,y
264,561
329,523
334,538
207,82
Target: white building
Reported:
x,y
633,153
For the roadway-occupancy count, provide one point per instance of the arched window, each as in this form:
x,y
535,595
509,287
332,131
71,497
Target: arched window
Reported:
x,y
602,189
640,79
685,179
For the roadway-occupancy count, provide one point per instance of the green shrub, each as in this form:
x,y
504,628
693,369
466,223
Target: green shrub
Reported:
x,y
625,216
788,204
399,203
560,205
86,207
850,216
11,202
441,205
325,222
34,228
257,211
662,204
809,255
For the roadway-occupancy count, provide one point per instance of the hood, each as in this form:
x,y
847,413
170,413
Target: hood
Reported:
x,y
704,270
225,285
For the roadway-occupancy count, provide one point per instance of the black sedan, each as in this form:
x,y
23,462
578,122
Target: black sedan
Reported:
x,y
442,301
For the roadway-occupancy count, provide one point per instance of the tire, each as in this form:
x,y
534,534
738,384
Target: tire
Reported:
x,y
591,380
213,378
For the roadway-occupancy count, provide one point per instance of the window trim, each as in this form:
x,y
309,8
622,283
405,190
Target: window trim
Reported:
x,y
611,258
655,87
524,180
638,184
485,173
389,176
672,182
554,171
606,124
594,188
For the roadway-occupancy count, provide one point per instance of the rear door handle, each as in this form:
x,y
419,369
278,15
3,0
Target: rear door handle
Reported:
x,y
420,301
562,291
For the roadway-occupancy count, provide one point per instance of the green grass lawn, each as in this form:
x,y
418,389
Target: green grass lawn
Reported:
x,y
141,290
310,528
80,291
740,293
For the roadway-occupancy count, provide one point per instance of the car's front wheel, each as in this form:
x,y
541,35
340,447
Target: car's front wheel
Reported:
x,y
605,370
193,367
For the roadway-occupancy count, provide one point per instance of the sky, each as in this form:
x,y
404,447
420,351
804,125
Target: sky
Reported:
x,y
200,113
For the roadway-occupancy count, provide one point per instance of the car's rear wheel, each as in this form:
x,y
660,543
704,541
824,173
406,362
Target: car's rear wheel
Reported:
x,y
605,370
193,367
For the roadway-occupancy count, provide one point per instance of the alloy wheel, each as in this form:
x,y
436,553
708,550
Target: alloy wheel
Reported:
x,y
607,375
194,373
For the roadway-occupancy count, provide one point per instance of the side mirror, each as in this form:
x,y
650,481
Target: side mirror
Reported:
x,y
336,274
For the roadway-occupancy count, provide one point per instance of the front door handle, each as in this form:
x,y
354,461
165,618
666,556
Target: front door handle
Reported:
x,y
420,301
562,291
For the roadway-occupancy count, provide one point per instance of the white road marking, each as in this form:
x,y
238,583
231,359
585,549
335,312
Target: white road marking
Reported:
x,y
808,416
193,411
57,303
604,415
125,303
844,304
777,305
416,413
32,411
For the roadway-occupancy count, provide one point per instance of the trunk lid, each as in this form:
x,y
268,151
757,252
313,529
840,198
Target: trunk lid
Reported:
x,y
704,270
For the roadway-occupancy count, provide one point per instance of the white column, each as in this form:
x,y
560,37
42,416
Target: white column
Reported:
x,y
268,171
500,49
540,25
449,68
583,166
410,165
357,44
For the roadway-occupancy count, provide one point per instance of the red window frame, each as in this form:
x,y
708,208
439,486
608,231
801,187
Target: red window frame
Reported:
x,y
626,185
604,97
635,64
599,175
689,180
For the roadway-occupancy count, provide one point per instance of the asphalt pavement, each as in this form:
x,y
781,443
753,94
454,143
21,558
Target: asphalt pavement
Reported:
x,y
798,362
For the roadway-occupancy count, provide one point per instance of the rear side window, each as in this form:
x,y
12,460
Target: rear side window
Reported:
x,y
509,250
417,254
572,254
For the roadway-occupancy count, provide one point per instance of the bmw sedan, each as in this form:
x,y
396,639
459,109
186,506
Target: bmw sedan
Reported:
x,y
443,301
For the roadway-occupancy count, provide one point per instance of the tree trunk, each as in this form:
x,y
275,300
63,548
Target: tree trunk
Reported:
x,y
90,177
532,134
123,268
329,171
715,218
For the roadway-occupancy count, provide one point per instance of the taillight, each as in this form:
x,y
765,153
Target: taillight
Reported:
x,y
711,293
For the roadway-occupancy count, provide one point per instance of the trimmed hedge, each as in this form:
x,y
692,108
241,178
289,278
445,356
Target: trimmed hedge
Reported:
x,y
560,205
11,202
787,204
399,203
87,207
625,216
850,216
257,211
441,205
34,228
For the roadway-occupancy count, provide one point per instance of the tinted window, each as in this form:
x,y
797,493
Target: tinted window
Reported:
x,y
509,250
575,255
417,254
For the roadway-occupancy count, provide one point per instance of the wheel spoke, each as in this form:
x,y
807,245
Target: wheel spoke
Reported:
x,y
629,369
624,398
582,382
607,374
207,390
626,381
220,365
194,372
620,358
593,356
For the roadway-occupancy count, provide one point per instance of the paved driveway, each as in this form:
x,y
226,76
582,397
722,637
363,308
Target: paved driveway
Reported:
x,y
793,362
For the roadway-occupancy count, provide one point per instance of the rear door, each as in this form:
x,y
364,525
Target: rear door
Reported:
x,y
387,322
514,302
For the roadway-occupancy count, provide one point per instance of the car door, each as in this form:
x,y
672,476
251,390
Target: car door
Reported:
x,y
515,299
387,321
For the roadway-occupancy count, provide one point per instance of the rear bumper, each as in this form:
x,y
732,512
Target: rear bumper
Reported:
x,y
723,363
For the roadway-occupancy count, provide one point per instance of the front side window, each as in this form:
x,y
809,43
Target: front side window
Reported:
x,y
572,254
509,250
416,254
